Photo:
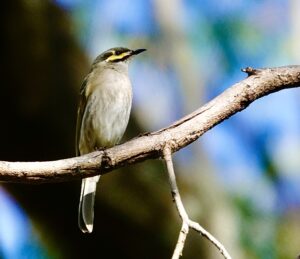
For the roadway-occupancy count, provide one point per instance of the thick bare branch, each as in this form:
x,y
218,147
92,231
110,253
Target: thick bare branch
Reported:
x,y
260,82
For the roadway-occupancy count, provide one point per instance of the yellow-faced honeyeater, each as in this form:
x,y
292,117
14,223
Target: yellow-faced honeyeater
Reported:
x,y
103,113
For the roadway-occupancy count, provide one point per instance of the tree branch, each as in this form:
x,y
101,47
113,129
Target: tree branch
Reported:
x,y
186,222
179,205
260,82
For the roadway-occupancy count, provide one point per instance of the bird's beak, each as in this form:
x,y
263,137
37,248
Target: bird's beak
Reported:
x,y
137,51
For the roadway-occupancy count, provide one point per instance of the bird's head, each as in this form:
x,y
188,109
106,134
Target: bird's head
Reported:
x,y
116,55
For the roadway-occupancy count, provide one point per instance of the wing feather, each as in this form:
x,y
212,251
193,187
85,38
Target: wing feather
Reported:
x,y
80,113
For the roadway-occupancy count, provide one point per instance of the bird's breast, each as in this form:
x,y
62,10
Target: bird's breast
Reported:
x,y
107,111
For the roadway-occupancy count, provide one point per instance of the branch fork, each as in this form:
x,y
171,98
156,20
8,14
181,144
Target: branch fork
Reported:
x,y
186,222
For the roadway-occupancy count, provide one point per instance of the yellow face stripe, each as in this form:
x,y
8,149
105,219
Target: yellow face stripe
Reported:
x,y
114,57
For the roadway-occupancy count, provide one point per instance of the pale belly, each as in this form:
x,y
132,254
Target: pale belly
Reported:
x,y
106,117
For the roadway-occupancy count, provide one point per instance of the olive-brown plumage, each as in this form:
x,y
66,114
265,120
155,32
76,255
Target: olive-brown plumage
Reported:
x,y
103,114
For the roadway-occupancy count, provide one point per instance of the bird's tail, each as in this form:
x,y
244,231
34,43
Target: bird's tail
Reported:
x,y
86,204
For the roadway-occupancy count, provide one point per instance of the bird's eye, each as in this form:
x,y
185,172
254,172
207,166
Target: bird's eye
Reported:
x,y
118,52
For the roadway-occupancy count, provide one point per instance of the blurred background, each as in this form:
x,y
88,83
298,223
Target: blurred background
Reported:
x,y
240,180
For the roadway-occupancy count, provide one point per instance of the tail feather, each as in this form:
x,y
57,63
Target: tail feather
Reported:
x,y
86,204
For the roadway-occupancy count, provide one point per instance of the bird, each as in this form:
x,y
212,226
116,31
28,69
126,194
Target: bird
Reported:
x,y
102,117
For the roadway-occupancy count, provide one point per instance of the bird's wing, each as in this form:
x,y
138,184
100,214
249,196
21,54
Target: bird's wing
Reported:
x,y
80,112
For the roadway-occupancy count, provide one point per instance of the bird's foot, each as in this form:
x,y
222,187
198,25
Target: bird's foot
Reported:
x,y
99,148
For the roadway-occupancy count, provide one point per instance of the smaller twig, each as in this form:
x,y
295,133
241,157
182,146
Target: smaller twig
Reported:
x,y
179,205
181,240
186,222
202,231
250,71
